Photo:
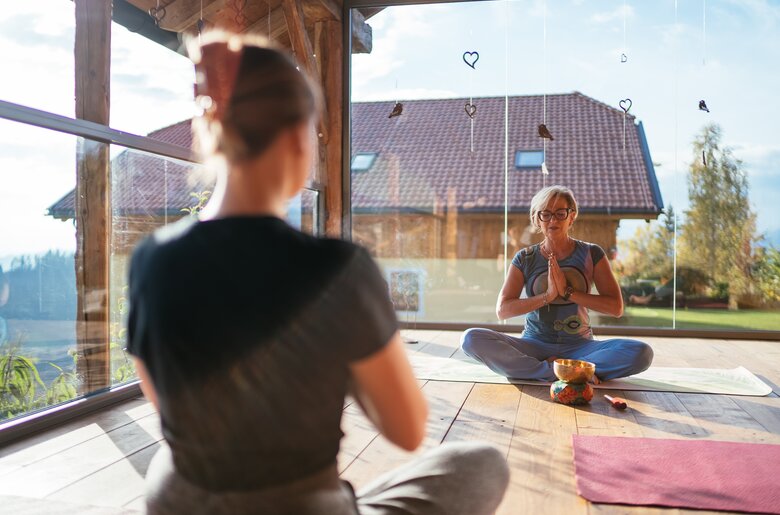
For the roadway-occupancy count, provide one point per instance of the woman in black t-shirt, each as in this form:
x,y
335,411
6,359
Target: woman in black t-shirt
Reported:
x,y
247,334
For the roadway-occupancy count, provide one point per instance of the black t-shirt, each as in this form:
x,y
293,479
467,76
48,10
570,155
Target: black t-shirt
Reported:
x,y
247,327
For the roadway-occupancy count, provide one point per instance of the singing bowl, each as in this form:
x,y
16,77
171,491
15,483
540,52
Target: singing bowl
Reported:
x,y
574,370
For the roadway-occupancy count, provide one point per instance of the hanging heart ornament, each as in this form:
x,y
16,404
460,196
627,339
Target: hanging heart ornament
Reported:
x,y
471,110
625,105
471,58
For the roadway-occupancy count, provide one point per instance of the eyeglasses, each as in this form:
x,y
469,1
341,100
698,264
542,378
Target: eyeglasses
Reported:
x,y
560,214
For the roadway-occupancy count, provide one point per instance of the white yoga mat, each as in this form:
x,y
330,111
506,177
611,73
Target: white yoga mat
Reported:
x,y
735,381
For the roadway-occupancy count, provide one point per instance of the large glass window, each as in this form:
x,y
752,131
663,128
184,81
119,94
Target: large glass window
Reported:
x,y
38,352
151,86
36,55
470,108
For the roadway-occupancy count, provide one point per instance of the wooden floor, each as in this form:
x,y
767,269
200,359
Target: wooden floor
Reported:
x,y
100,461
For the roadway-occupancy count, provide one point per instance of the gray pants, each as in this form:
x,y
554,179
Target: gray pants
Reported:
x,y
524,358
452,479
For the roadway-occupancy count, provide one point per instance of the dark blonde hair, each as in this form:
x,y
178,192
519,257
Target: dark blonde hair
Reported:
x,y
246,107
547,195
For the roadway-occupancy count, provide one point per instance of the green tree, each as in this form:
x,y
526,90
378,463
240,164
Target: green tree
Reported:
x,y
650,252
767,274
719,231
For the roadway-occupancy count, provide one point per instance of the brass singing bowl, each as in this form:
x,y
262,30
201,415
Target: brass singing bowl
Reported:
x,y
574,370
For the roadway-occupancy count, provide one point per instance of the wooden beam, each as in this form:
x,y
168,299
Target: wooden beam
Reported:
x,y
329,55
304,54
361,34
333,9
181,14
301,45
278,25
92,63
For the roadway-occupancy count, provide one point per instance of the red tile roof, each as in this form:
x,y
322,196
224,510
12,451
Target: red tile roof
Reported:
x,y
429,146
424,159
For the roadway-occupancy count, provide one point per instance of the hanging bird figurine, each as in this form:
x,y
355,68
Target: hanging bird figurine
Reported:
x,y
397,110
544,132
703,106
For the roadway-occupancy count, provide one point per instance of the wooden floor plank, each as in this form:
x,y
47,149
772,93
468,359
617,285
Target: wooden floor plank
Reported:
x,y
600,418
48,475
540,457
43,445
662,415
358,431
488,415
445,401
724,419
116,485
100,459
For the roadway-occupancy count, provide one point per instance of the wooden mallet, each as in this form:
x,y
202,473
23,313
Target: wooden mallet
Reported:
x,y
616,402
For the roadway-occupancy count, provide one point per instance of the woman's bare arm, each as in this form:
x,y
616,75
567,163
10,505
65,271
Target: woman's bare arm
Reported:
x,y
609,299
387,391
510,305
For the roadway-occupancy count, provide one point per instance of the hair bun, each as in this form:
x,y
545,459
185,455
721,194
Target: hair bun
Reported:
x,y
216,70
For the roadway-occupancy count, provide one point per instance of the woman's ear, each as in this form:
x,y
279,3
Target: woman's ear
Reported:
x,y
301,138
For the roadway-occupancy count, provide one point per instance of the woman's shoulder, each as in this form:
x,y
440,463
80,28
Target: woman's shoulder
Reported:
x,y
525,255
594,249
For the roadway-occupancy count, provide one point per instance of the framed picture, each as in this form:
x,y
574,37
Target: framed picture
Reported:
x,y
406,289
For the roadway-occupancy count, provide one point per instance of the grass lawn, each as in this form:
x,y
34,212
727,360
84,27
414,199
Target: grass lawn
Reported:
x,y
747,319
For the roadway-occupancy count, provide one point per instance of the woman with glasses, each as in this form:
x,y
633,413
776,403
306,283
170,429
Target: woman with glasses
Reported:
x,y
558,275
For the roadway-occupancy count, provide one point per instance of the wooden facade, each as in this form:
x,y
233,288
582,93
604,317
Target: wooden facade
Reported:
x,y
464,236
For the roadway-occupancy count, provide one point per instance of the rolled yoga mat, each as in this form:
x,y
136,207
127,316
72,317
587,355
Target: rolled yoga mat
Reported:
x,y
735,381
699,474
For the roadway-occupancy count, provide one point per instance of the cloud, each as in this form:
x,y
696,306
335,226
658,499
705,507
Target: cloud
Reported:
x,y
765,12
393,27
405,94
613,15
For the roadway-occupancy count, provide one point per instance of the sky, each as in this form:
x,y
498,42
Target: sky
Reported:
x,y
677,53
674,59
151,87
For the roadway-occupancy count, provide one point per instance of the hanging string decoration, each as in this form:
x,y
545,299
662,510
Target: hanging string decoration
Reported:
x,y
471,58
625,105
702,103
542,130
158,12
201,23
397,110
623,55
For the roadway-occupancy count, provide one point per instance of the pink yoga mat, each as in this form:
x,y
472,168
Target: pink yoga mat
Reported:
x,y
701,474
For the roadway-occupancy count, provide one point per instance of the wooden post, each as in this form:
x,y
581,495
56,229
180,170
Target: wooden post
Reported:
x,y
92,61
329,56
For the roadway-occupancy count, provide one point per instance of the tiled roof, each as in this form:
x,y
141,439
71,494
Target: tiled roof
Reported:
x,y
429,148
424,159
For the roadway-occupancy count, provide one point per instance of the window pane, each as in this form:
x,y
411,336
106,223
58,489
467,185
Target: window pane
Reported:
x,y
678,194
151,86
36,55
529,159
430,208
147,192
37,283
